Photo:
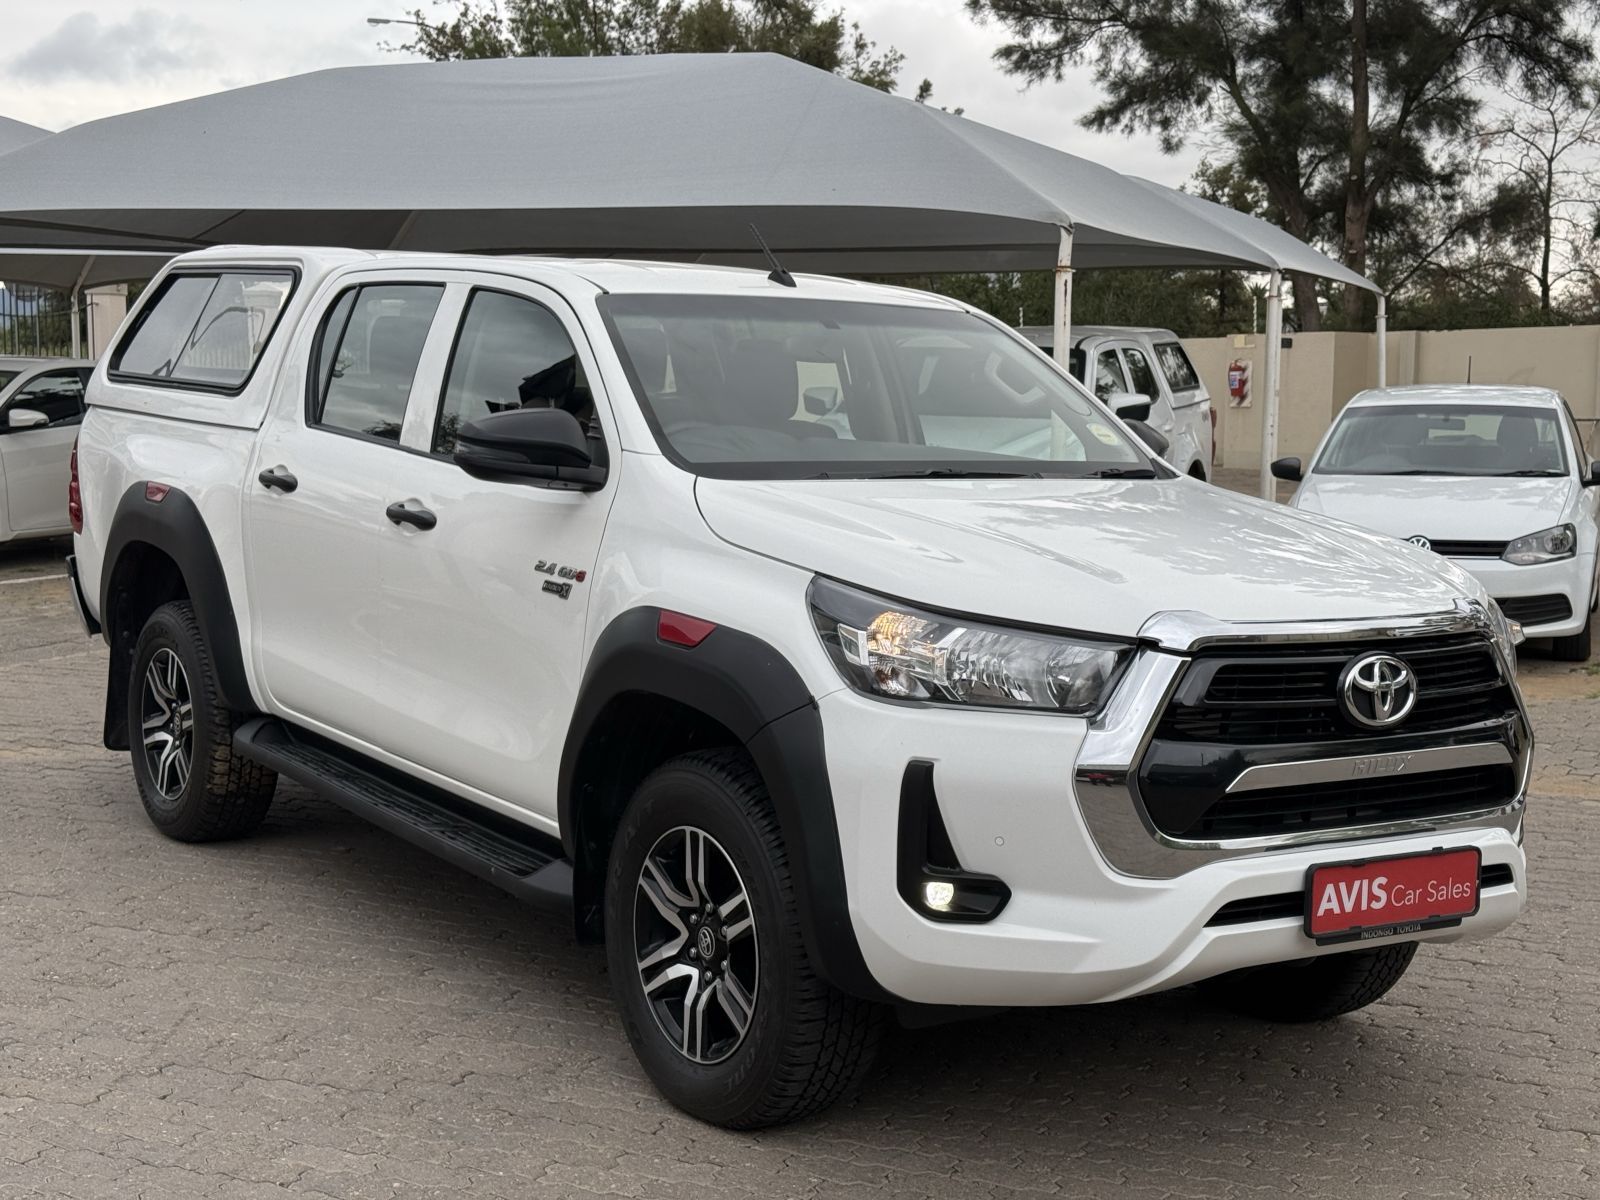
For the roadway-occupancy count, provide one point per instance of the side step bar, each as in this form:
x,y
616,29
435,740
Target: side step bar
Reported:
x,y
524,863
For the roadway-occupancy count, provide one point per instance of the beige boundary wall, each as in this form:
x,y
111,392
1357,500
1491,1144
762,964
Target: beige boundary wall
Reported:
x,y
1321,371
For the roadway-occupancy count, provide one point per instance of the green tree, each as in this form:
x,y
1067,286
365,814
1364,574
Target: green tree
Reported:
x,y
551,28
1350,112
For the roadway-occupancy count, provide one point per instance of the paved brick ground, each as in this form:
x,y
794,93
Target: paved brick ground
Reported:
x,y
323,1011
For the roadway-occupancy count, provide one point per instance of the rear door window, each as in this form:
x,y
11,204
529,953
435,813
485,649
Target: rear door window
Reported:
x,y
366,357
1175,365
205,330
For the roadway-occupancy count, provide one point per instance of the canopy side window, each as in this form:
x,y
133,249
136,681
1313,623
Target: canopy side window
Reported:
x,y
204,330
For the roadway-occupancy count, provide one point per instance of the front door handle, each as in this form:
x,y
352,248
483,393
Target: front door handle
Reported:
x,y
278,477
411,512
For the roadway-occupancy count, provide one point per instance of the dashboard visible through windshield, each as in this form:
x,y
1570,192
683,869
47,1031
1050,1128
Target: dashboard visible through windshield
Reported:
x,y
788,388
1476,439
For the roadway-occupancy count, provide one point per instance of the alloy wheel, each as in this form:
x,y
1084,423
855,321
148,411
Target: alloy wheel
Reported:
x,y
167,711
695,944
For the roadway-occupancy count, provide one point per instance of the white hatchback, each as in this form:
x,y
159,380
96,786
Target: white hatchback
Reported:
x,y
1495,478
41,405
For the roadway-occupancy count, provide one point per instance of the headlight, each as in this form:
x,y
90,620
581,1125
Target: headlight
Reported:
x,y
1507,633
890,649
1547,545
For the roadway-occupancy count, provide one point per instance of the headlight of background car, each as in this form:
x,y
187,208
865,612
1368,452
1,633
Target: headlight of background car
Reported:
x,y
886,648
1547,545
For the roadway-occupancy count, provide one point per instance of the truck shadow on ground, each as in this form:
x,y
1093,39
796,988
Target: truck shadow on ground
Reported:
x,y
1156,1081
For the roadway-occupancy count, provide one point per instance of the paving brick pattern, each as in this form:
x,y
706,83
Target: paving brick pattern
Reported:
x,y
323,1011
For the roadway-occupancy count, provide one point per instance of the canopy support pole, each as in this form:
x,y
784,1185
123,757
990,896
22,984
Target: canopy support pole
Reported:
x,y
1269,399
1061,345
1383,340
77,288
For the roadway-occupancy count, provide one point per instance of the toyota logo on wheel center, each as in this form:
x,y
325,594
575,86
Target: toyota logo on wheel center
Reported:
x,y
1377,690
1417,539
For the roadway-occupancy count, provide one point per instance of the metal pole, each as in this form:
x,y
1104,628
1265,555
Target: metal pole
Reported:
x,y
77,289
1269,398
1383,340
1062,347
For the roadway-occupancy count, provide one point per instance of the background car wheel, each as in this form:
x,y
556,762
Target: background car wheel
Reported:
x,y
1576,647
711,976
192,785
1312,989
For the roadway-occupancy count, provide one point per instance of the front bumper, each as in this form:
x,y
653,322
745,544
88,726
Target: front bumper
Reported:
x,y
1570,577
1084,923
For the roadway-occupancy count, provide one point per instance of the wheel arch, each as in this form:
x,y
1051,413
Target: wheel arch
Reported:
x,y
644,701
160,550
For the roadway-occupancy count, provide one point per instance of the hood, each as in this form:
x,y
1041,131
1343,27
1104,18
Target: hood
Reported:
x,y
1439,507
1094,555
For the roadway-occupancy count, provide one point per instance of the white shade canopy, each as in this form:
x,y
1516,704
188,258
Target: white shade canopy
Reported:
x,y
16,134
666,156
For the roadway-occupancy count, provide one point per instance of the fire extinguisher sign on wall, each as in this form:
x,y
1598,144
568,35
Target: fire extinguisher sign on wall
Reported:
x,y
1239,383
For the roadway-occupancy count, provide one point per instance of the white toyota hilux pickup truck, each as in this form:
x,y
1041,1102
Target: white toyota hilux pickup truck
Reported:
x,y
822,648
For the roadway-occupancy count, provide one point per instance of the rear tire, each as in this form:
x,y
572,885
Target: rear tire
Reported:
x,y
1312,989
1575,647
801,1044
194,788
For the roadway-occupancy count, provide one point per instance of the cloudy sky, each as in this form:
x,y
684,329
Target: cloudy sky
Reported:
x,y
70,61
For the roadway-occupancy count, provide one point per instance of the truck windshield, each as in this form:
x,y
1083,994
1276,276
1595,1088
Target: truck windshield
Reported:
x,y
793,388
1476,439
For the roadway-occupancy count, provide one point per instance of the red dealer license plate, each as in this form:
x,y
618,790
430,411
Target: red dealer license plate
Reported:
x,y
1380,897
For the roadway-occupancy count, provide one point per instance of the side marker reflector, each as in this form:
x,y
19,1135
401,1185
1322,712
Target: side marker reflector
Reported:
x,y
680,629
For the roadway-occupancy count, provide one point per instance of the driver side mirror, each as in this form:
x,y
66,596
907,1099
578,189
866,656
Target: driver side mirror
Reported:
x,y
1130,406
1592,479
1287,469
533,445
1150,437
26,418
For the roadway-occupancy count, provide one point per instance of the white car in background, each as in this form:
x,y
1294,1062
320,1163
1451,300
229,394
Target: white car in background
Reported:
x,y
1494,478
1144,374
41,404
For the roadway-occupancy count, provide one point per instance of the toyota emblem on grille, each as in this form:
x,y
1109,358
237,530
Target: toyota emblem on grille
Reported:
x,y
1377,690
1417,539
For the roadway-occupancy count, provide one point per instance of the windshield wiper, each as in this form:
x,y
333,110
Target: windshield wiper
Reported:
x,y
946,473
1121,473
1528,471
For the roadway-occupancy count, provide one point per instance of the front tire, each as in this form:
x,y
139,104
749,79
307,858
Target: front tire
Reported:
x,y
1575,647
1313,989
707,963
193,787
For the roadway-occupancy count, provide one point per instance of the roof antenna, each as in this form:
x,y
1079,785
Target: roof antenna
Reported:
x,y
777,274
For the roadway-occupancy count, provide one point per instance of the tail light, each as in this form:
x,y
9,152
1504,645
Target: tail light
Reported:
x,y
74,494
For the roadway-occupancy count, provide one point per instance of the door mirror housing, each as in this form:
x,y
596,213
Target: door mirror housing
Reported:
x,y
1130,406
26,418
544,446
1287,469
1150,437
1592,479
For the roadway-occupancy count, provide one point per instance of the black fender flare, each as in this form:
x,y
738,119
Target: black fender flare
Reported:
x,y
173,525
748,687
